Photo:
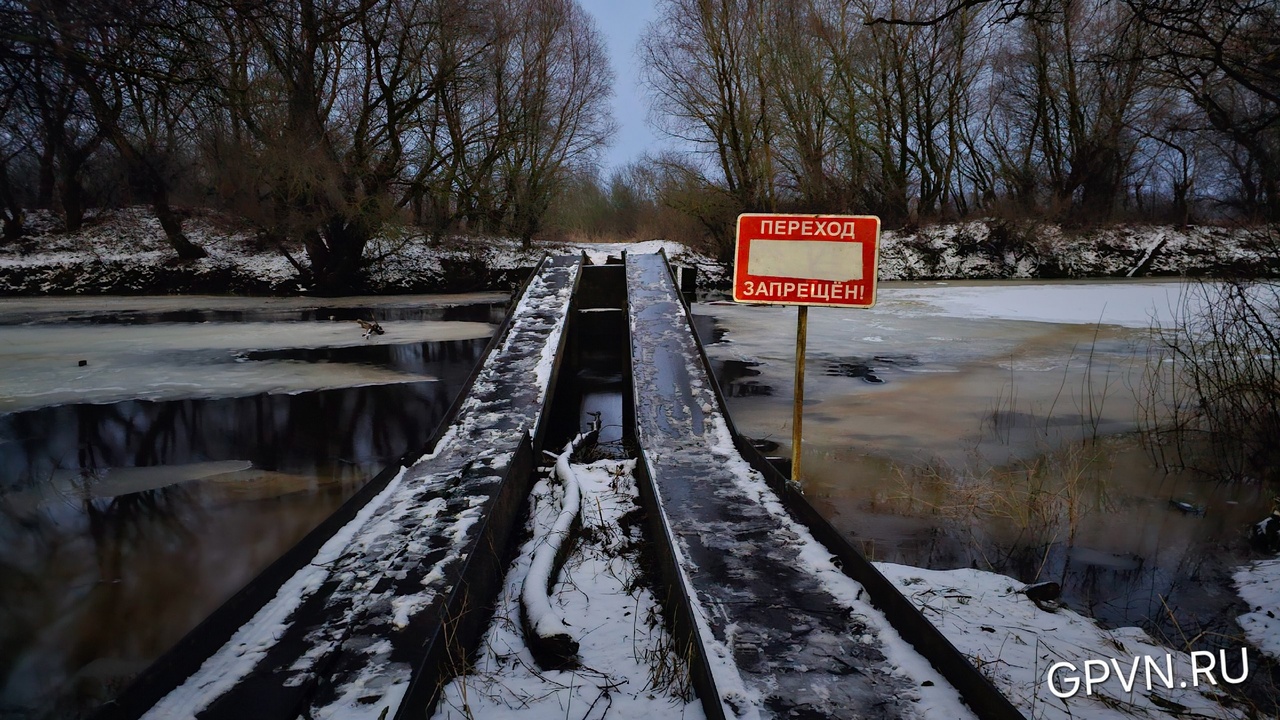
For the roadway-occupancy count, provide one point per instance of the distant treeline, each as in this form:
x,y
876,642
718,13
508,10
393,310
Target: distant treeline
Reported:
x,y
319,121
1077,111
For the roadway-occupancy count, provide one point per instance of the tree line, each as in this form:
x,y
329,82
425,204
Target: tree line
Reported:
x,y
317,121
1079,111
320,121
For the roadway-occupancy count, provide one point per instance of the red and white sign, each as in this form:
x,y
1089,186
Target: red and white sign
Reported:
x,y
828,260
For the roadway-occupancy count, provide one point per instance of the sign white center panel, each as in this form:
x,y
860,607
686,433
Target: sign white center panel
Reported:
x,y
808,259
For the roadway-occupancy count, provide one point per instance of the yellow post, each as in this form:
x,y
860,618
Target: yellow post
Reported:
x,y
797,412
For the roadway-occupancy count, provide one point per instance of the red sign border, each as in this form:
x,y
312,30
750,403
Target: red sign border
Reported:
x,y
739,268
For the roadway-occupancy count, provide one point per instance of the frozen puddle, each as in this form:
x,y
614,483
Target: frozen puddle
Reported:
x,y
627,666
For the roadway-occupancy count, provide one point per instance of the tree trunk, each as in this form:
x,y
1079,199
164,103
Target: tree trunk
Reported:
x,y
139,166
336,257
72,199
11,211
172,226
44,189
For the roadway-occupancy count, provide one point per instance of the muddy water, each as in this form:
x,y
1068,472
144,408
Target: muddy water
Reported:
x,y
940,439
124,522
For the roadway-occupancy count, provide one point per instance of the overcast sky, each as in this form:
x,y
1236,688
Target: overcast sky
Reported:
x,y
621,22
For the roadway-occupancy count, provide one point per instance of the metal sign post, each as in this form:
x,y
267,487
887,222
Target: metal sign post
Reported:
x,y
797,409
804,260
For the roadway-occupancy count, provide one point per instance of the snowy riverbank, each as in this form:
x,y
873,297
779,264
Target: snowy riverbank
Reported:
x,y
123,252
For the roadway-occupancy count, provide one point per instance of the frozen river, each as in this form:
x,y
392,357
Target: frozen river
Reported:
x,y
943,429
157,453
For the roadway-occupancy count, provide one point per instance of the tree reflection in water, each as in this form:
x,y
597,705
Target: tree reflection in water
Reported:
x,y
103,567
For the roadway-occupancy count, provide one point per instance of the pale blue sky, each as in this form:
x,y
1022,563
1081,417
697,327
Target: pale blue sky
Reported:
x,y
621,22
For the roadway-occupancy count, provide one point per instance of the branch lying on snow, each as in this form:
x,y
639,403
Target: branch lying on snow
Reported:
x,y
546,633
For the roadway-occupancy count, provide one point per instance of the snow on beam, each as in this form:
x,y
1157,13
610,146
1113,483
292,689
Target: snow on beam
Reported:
x,y
362,627
783,630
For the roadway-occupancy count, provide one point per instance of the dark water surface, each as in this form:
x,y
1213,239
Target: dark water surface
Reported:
x,y
1001,445
123,524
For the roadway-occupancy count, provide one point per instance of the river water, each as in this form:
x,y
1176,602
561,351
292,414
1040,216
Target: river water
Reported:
x,y
157,453
993,425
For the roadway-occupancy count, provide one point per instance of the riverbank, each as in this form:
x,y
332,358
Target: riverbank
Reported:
x,y
123,252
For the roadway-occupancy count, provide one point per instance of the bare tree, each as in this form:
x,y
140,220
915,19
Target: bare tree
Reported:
x,y
47,106
11,149
704,68
797,77
127,62
1222,54
552,94
1071,91
320,100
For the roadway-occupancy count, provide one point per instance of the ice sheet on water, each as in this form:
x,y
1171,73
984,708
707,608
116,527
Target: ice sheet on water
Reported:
x,y
942,364
42,363
1129,304
113,482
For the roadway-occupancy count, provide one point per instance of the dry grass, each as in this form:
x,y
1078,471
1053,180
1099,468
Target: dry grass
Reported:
x,y
1211,395
1043,499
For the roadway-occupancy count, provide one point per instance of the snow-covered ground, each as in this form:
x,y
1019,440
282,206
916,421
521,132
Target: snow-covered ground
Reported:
x,y
627,664
124,252
1259,586
991,249
1036,656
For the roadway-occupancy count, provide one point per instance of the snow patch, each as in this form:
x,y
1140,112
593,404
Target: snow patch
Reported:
x,y
1259,586
1014,643
624,646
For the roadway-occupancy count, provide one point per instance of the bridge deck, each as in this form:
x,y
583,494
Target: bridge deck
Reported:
x,y
348,633
785,630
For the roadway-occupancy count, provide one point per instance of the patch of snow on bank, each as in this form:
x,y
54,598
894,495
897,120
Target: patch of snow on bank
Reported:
x,y
1015,643
1259,585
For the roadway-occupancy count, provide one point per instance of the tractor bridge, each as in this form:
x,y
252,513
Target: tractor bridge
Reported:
x,y
374,611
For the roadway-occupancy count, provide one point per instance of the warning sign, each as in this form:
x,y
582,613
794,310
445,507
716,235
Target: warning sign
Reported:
x,y
825,260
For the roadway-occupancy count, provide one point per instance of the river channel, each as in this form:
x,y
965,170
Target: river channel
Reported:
x,y
157,453
994,425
